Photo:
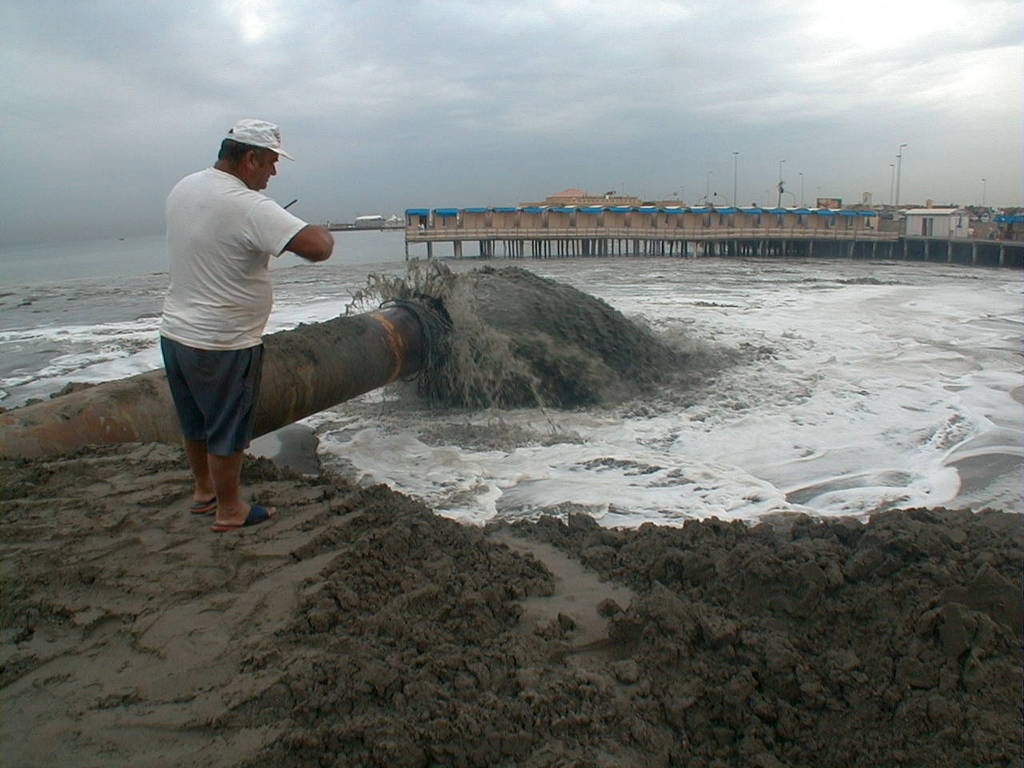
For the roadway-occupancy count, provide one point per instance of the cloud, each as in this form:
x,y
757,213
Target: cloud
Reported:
x,y
388,104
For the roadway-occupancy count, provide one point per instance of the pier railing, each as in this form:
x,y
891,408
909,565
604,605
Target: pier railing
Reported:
x,y
855,241
452,234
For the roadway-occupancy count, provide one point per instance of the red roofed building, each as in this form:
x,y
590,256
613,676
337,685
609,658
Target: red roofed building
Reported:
x,y
572,196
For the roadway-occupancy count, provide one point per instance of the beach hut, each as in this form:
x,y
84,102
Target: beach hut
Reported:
x,y
617,216
858,219
417,218
946,223
725,216
822,220
562,217
777,217
869,219
749,217
533,217
847,219
590,217
643,217
1010,226
505,217
698,216
446,218
803,217
672,217
476,218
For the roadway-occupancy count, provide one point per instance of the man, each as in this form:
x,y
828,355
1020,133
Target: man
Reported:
x,y
221,233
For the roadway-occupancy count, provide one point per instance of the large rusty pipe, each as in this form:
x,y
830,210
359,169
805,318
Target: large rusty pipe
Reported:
x,y
305,370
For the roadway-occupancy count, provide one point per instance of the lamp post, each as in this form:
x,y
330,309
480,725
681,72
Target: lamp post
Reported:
x,y
779,203
802,189
984,184
735,162
899,168
892,182
707,189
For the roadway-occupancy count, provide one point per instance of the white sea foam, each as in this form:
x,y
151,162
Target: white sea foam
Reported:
x,y
850,397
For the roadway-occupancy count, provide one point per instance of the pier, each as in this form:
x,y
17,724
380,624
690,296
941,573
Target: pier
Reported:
x,y
357,226
543,232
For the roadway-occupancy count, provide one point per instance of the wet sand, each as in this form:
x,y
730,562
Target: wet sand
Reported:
x,y
359,629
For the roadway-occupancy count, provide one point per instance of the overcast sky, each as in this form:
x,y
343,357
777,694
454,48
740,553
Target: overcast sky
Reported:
x,y
390,105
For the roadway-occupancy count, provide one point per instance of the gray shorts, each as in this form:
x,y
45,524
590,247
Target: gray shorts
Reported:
x,y
215,393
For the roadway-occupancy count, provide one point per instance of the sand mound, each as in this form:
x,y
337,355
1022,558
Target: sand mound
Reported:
x,y
359,629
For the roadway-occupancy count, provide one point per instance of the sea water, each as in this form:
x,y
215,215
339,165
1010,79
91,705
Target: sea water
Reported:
x,y
850,387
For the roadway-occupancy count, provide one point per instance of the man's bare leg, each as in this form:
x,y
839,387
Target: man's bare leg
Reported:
x,y
227,478
203,488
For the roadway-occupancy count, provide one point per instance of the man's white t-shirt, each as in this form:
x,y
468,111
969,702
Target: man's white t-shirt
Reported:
x,y
220,237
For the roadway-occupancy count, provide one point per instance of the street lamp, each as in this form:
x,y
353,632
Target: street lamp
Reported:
x,y
899,168
801,189
984,184
735,161
779,203
707,189
892,182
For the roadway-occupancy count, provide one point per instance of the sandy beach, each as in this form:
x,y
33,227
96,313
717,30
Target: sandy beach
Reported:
x,y
359,629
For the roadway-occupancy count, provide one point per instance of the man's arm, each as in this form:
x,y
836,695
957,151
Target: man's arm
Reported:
x,y
312,242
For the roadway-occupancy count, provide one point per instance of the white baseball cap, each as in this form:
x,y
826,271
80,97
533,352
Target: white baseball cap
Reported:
x,y
258,133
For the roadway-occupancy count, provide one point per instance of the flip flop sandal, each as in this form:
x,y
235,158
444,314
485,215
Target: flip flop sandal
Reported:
x,y
203,507
257,515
